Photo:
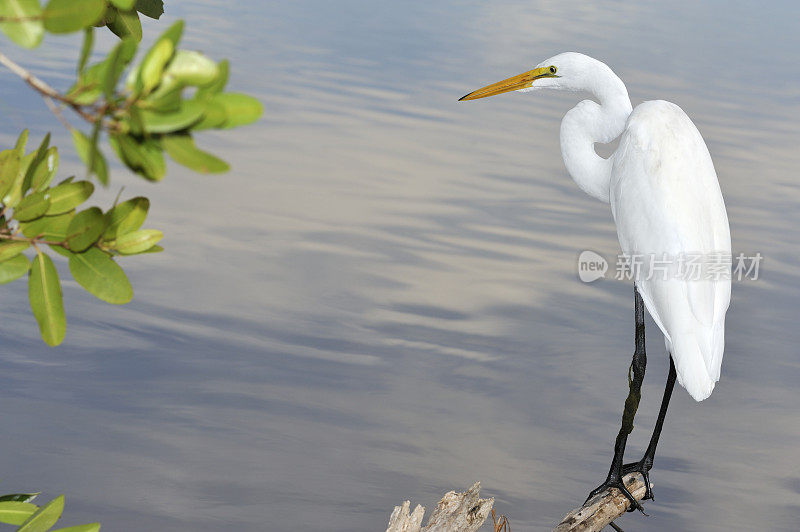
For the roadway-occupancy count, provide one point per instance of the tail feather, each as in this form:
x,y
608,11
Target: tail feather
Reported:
x,y
690,364
714,362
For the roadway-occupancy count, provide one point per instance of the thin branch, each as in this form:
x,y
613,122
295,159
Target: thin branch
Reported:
x,y
33,241
44,89
57,111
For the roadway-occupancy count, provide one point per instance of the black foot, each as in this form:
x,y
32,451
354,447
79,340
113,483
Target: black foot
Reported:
x,y
616,483
643,468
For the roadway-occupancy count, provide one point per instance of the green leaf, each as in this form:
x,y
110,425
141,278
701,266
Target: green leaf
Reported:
x,y
217,85
189,112
16,513
9,171
187,68
22,140
66,16
191,68
136,241
143,156
48,227
117,60
183,151
154,166
85,229
60,250
108,15
14,195
86,48
153,64
97,272
45,170
164,99
32,206
91,527
89,86
13,269
19,497
126,24
10,249
214,117
94,151
26,33
173,33
123,4
126,217
87,91
44,293
150,8
240,109
134,121
65,197
41,153
147,75
85,148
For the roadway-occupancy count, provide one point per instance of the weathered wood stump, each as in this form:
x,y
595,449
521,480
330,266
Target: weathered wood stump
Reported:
x,y
456,512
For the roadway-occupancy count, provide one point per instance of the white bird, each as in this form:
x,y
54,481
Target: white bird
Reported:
x,y
667,206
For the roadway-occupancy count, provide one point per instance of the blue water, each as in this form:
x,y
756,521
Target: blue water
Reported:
x,y
380,301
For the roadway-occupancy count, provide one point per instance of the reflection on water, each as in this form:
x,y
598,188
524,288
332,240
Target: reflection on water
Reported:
x,y
380,302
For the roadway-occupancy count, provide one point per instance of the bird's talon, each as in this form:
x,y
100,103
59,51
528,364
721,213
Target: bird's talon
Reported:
x,y
644,470
608,484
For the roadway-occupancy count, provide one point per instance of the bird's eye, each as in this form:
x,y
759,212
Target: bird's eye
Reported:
x,y
553,70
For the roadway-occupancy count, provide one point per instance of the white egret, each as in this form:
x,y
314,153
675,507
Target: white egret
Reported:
x,y
667,204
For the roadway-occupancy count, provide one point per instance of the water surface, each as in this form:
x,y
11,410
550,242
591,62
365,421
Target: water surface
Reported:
x,y
380,301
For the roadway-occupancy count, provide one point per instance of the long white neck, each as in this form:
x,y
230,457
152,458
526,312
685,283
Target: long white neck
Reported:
x,y
588,123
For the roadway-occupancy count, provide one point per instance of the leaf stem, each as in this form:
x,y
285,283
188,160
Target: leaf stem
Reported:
x,y
33,241
23,18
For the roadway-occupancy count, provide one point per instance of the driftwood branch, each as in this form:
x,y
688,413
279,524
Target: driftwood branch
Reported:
x,y
599,511
466,512
456,512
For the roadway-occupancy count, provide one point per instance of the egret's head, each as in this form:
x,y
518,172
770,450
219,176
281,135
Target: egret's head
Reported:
x,y
565,71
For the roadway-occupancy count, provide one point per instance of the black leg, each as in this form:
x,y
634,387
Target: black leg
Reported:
x,y
644,465
635,378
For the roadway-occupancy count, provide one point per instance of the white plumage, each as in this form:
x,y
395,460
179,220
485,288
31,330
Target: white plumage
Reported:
x,y
664,196
665,199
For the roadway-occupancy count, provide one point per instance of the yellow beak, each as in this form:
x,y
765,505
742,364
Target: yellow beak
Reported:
x,y
521,81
